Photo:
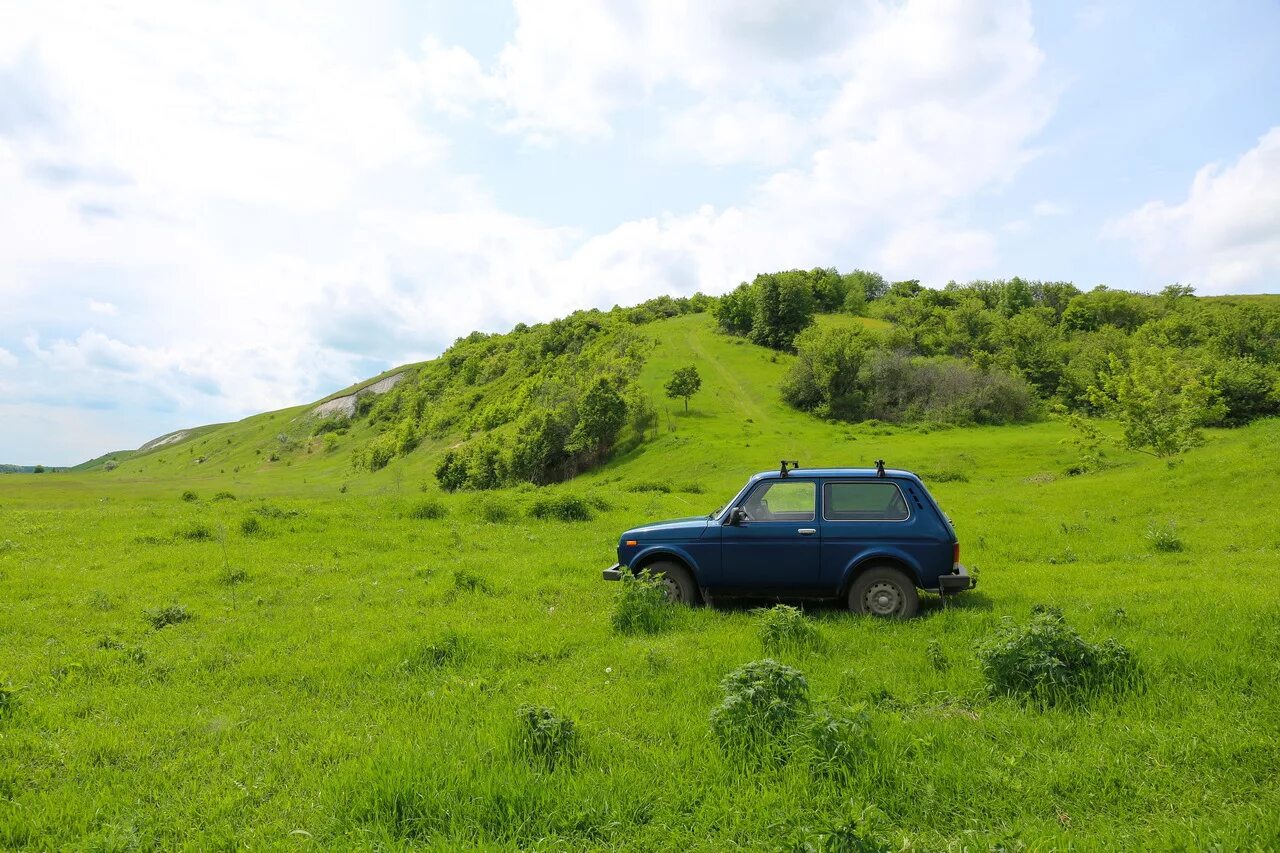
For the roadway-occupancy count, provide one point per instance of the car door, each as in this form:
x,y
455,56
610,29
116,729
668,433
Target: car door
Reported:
x,y
864,516
776,549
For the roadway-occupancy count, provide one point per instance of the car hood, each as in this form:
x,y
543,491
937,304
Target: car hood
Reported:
x,y
678,528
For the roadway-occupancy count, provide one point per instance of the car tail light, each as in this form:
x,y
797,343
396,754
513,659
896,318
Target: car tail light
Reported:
x,y
955,556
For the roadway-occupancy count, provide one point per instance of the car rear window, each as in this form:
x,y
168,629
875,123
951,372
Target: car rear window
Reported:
x,y
871,501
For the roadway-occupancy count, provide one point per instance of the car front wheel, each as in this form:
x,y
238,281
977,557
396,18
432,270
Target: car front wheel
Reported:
x,y
677,582
885,592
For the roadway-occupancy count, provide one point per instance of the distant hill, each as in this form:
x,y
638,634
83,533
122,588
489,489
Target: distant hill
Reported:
x,y
30,469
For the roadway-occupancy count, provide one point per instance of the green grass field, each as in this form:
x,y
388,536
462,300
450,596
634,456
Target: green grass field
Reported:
x,y
349,676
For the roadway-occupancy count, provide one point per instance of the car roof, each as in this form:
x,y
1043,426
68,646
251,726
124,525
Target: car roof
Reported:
x,y
836,472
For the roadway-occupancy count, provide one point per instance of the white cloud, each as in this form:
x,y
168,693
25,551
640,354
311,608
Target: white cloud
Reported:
x,y
1225,236
106,309
1048,208
7,359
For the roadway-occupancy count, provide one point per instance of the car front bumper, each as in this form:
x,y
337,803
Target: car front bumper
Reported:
x,y
957,581
614,572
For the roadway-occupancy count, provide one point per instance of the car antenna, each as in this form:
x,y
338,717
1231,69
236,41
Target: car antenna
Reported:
x,y
879,467
789,466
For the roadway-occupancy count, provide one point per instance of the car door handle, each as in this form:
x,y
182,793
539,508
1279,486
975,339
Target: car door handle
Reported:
x,y
807,531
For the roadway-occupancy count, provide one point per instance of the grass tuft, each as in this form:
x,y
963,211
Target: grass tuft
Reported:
x,y
1164,538
641,606
493,509
171,614
465,580
427,509
561,508
190,496
785,628
196,531
545,738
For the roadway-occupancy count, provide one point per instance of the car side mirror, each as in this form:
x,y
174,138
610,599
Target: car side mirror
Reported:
x,y
737,515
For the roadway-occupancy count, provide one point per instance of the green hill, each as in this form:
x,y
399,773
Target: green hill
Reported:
x,y
243,639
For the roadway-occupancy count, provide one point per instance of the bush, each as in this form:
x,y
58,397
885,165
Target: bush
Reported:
x,y
197,532
465,581
172,614
427,509
250,525
692,487
224,496
562,508
649,486
764,704
641,605
494,509
544,737
190,496
1046,662
784,628
232,576
1165,538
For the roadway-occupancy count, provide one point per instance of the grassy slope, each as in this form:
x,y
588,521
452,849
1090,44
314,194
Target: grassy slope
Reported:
x,y
308,696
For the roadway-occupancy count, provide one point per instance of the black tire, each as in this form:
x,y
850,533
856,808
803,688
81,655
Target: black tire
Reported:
x,y
676,579
885,592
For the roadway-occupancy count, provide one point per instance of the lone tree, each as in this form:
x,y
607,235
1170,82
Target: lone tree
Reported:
x,y
685,382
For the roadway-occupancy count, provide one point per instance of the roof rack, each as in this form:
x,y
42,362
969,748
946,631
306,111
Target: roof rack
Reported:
x,y
879,467
788,466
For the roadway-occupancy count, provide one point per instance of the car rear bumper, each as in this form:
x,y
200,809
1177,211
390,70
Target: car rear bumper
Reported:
x,y
958,581
614,572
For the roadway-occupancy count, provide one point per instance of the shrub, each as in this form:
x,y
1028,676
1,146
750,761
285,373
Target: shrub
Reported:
x,y
544,737
945,476
224,496
250,525
838,743
273,511
764,705
1047,662
937,656
1165,538
197,532
230,576
562,508
691,488
190,496
641,605
785,627
427,509
494,509
172,614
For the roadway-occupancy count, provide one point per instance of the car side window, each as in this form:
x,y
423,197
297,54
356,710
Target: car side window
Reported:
x,y
869,501
782,500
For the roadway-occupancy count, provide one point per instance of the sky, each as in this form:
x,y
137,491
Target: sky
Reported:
x,y
212,210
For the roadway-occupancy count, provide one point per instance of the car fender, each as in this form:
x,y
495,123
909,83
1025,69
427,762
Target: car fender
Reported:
x,y
665,550
881,553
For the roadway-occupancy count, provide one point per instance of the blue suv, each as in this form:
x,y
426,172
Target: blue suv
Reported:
x,y
868,536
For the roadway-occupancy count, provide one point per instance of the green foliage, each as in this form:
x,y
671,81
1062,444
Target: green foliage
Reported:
x,y
937,656
824,378
8,700
427,509
250,525
1046,662
560,507
1160,402
1087,439
546,738
685,382
171,614
468,581
493,509
641,606
601,414
839,744
1164,537
784,307
38,469
448,650
785,628
196,531
223,496
190,496
765,704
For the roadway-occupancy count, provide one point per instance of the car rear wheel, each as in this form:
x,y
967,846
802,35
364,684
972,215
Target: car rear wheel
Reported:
x,y
885,592
677,582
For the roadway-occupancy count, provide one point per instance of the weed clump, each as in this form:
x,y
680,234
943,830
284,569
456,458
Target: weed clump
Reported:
x,y
641,606
224,496
692,488
649,486
250,525
493,509
561,508
450,649
764,706
190,496
468,581
946,476
1165,538
784,627
546,738
8,700
937,656
273,511
8,545
172,614
233,576
427,509
1047,662
837,743
197,532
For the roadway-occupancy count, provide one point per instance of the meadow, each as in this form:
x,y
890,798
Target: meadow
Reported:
x,y
244,652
